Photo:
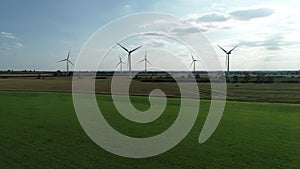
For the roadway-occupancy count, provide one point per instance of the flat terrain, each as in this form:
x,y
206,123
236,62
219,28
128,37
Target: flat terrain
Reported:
x,y
40,130
39,127
273,92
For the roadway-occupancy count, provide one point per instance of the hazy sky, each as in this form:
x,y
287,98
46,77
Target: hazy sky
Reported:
x,y
35,34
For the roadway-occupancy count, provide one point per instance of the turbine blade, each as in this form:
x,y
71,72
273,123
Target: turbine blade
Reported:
x,y
117,64
222,49
68,55
127,57
149,62
70,62
141,61
62,60
135,49
233,49
120,58
191,64
123,47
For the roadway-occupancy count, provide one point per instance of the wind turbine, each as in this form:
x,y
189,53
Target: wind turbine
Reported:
x,y
227,56
120,63
194,63
67,60
146,61
129,55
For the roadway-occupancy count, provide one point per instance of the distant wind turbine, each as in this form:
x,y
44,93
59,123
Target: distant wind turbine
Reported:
x,y
120,63
227,56
67,60
146,61
194,63
129,55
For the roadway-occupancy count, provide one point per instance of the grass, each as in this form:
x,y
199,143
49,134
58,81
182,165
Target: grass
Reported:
x,y
40,130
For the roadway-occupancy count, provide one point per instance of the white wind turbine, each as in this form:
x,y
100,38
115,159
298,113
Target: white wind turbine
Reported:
x,y
146,61
227,56
129,55
194,63
120,64
67,60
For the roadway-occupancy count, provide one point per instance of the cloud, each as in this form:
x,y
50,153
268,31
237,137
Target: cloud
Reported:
x,y
8,42
156,41
241,14
248,14
220,20
188,30
211,17
272,58
152,34
10,45
7,35
273,42
18,45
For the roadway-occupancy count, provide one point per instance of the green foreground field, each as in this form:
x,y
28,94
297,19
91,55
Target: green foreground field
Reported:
x,y
40,130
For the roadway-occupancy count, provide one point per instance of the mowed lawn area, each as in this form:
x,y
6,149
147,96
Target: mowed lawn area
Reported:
x,y
41,130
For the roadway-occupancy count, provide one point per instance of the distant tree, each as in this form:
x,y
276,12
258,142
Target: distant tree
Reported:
x,y
247,78
270,79
57,73
259,78
235,79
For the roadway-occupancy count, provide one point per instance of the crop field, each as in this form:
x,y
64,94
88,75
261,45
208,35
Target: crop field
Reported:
x,y
41,130
248,92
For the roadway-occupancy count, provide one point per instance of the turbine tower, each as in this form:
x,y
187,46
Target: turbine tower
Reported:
x,y
67,60
194,63
120,63
227,56
129,55
146,61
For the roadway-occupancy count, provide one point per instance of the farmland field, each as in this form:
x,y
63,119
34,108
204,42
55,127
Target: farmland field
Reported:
x,y
248,92
40,130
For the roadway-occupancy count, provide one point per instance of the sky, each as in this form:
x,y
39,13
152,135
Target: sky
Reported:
x,y
35,34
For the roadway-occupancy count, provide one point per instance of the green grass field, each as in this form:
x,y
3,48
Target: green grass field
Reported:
x,y
40,130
